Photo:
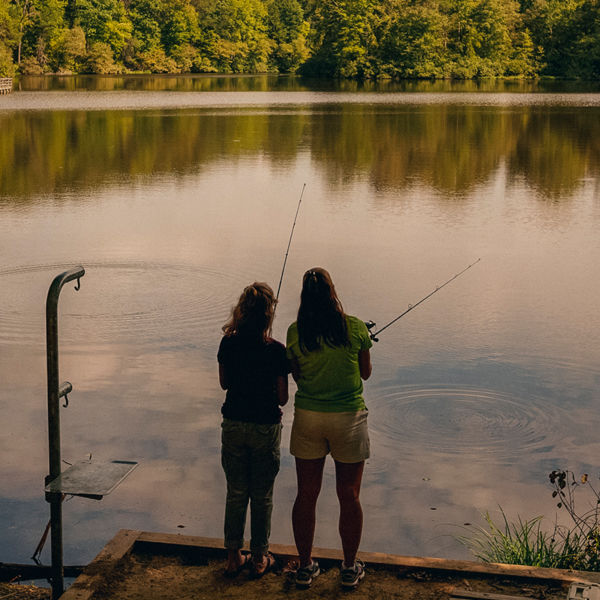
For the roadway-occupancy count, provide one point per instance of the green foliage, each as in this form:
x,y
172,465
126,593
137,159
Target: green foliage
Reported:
x,y
487,38
67,51
342,38
156,60
145,19
100,59
104,21
7,66
336,38
179,25
186,57
8,24
287,29
289,57
241,43
585,531
46,25
525,543
585,53
30,66
412,41
521,543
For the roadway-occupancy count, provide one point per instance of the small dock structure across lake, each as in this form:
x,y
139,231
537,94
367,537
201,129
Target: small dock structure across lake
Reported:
x,y
6,84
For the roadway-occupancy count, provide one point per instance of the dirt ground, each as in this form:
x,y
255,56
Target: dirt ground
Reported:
x,y
187,576
151,577
11,591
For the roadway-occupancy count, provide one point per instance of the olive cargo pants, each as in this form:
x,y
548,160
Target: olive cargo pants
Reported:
x,y
250,459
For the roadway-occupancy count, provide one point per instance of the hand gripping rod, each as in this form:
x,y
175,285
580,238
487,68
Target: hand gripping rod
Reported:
x,y
370,324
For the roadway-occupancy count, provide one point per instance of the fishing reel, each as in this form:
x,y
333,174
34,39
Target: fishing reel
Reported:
x,y
370,325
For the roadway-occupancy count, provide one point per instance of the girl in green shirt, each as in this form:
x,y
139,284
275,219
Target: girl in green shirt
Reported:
x,y
329,355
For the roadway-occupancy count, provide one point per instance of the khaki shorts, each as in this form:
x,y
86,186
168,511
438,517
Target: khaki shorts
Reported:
x,y
344,435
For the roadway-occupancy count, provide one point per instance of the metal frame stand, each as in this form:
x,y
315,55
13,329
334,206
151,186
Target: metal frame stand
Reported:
x,y
55,392
87,479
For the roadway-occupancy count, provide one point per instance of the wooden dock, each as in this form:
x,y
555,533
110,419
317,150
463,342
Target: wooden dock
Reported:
x,y
188,571
6,84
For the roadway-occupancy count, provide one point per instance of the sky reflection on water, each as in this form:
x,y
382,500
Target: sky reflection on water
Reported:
x,y
476,395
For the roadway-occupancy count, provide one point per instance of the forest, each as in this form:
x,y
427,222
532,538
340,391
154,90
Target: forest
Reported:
x,y
356,39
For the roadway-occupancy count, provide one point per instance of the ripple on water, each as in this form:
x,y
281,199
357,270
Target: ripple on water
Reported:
x,y
472,422
128,302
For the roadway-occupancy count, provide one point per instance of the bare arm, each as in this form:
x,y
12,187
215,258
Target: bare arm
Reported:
x,y
223,377
282,390
364,364
295,369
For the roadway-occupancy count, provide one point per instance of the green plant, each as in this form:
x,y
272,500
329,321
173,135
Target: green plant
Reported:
x,y
526,543
30,66
586,522
7,66
521,543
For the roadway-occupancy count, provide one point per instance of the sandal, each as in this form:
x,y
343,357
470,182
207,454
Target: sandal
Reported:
x,y
246,562
270,564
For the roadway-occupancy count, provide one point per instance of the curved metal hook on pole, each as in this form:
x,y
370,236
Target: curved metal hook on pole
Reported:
x,y
370,324
55,392
289,242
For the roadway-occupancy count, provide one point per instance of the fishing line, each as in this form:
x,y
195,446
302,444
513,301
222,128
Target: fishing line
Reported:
x,y
289,242
370,324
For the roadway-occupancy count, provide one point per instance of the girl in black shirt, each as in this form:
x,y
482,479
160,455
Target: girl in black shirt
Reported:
x,y
253,369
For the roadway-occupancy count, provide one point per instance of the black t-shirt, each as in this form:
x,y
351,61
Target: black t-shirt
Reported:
x,y
252,367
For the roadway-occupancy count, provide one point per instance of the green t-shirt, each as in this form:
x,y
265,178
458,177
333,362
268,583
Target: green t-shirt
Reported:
x,y
330,377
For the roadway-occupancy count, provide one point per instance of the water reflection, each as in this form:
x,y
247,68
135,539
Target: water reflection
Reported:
x,y
475,396
292,83
449,148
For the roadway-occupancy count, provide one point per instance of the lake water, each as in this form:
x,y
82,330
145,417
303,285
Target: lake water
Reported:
x,y
175,193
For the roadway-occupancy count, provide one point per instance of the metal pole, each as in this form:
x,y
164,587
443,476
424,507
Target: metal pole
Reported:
x,y
55,499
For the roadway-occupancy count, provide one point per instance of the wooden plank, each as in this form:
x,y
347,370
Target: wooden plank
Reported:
x,y
469,595
84,586
125,540
379,558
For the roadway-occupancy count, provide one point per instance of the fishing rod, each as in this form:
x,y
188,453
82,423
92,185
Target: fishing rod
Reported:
x,y
289,242
370,324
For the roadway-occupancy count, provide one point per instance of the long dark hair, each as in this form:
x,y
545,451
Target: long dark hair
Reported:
x,y
253,315
321,318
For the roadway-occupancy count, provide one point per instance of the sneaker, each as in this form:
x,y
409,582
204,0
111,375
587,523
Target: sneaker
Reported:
x,y
305,575
351,576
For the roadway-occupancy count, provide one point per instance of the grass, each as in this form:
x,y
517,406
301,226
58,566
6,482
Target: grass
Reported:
x,y
525,542
522,543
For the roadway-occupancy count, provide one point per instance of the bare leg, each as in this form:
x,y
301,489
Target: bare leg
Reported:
x,y
348,477
310,475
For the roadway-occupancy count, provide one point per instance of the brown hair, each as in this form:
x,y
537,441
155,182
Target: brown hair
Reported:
x,y
253,315
321,318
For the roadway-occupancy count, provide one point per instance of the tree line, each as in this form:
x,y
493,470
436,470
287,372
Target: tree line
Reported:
x,y
361,39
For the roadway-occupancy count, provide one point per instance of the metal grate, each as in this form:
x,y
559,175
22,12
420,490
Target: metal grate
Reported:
x,y
91,479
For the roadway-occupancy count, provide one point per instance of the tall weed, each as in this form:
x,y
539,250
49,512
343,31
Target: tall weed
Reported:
x,y
525,542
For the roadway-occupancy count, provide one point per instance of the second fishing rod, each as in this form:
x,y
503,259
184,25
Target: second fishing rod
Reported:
x,y
290,241
370,324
